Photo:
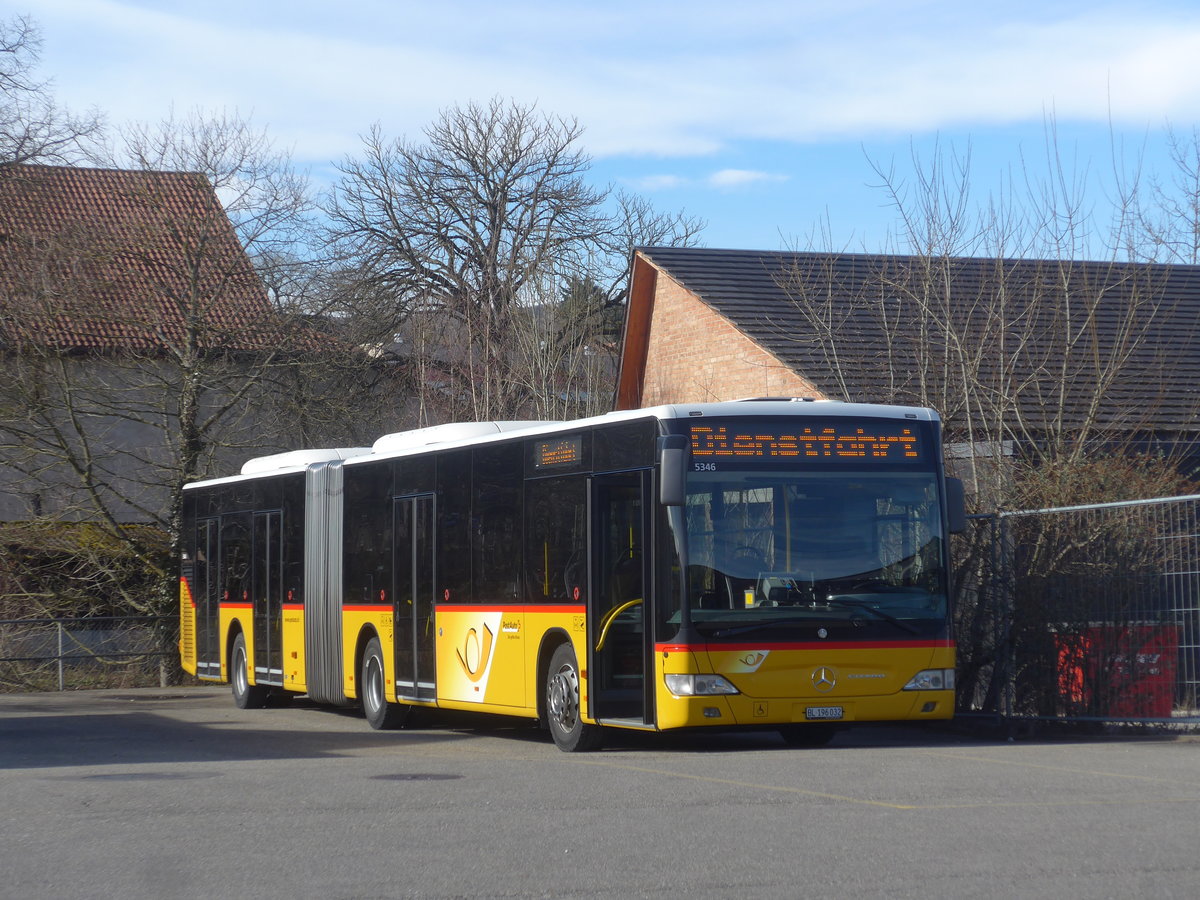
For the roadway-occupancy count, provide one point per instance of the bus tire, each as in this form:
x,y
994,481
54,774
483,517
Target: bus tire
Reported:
x,y
380,714
562,705
807,735
245,695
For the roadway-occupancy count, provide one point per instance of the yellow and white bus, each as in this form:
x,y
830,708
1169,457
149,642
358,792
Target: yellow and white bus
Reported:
x,y
771,563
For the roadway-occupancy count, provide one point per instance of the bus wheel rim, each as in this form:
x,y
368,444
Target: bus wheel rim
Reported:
x,y
241,679
564,688
374,686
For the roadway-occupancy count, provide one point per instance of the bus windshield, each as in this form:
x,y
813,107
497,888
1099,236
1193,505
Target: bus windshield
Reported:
x,y
830,554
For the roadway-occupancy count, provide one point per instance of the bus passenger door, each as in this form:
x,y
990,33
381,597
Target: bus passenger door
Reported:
x,y
618,639
233,563
267,594
205,594
413,598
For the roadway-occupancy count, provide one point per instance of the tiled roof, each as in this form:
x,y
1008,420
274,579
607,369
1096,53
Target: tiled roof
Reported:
x,y
105,260
1024,303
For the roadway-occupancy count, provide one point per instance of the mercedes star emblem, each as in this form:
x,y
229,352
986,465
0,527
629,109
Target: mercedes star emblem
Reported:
x,y
824,678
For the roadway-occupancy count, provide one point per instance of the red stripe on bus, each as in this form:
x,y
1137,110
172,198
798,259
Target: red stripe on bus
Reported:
x,y
526,608
806,645
225,605
293,606
364,607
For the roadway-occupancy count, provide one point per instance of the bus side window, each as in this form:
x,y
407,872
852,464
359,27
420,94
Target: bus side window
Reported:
x,y
454,526
368,535
496,522
555,539
235,557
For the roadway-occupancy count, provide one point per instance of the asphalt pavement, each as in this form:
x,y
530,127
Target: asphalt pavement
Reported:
x,y
176,793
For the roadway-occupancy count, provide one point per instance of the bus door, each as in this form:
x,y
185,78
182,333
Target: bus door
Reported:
x,y
205,584
233,563
267,593
412,594
618,637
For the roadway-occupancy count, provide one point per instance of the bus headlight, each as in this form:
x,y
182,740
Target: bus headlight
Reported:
x,y
698,685
931,680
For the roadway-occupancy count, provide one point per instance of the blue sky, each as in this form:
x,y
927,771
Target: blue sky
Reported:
x,y
761,117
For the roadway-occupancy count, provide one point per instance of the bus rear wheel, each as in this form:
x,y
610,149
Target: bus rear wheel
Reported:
x,y
245,695
562,705
379,712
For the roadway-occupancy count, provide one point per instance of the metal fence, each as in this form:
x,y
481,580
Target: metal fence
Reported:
x,y
57,654
1082,613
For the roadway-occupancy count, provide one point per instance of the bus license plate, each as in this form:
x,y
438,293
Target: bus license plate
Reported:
x,y
823,712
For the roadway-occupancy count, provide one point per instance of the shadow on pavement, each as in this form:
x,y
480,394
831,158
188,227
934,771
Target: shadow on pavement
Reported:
x,y
45,731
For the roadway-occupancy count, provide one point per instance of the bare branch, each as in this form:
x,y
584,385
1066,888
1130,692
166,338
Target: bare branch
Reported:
x,y
33,128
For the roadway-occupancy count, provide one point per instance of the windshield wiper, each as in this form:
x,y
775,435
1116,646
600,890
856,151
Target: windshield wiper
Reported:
x,y
767,623
859,604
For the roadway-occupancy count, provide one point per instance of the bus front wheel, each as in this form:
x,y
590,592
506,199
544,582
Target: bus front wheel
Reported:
x,y
245,695
379,713
562,705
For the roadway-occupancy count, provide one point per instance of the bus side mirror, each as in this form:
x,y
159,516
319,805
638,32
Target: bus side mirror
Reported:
x,y
956,506
672,469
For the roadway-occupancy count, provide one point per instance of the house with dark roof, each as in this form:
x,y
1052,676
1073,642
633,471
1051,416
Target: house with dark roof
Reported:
x,y
115,287
1007,350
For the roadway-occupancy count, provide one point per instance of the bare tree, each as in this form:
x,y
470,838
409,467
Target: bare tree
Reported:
x,y
33,128
144,349
564,351
1168,219
464,222
463,241
635,222
993,315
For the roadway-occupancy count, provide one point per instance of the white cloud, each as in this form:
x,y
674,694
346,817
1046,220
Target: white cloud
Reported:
x,y
722,179
736,178
689,79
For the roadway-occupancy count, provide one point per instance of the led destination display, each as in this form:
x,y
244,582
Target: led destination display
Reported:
x,y
559,452
879,441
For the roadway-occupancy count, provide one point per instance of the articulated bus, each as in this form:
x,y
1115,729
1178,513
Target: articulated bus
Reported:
x,y
767,564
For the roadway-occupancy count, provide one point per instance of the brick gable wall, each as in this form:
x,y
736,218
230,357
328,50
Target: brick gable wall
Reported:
x,y
694,354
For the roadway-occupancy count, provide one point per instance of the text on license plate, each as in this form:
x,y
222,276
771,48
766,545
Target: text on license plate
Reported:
x,y
822,712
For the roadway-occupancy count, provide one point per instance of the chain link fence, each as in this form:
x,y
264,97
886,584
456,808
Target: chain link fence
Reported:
x,y
82,653
1082,613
